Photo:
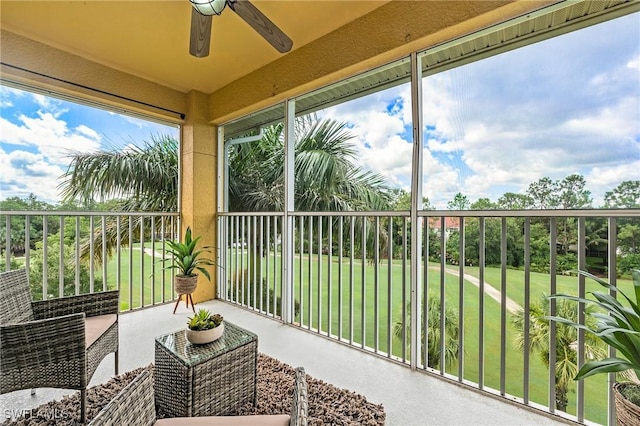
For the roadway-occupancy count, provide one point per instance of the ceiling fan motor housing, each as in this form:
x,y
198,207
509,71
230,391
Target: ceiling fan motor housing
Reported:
x,y
209,7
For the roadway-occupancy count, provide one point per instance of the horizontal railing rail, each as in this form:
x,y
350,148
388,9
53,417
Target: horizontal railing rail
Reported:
x,y
71,252
481,287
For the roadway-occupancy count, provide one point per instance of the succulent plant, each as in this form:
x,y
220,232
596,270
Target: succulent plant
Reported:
x,y
204,320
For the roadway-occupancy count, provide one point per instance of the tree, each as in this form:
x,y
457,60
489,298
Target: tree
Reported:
x,y
326,178
572,193
459,202
624,196
484,204
141,178
451,332
513,201
543,193
566,338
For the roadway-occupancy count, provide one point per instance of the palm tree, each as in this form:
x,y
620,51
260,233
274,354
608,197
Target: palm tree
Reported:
x,y
451,332
326,179
566,366
138,178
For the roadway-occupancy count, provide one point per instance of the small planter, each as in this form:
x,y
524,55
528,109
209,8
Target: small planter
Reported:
x,y
627,412
185,284
201,337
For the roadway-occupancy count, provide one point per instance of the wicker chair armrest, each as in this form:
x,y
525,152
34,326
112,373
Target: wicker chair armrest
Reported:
x,y
300,405
55,341
133,406
93,304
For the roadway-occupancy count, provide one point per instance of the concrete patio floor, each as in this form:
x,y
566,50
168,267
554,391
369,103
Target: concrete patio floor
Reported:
x,y
409,397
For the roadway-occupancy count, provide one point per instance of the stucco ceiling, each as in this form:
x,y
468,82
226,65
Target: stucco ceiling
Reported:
x,y
150,39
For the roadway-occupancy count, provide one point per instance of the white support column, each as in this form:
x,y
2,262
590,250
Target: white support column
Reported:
x,y
287,222
416,204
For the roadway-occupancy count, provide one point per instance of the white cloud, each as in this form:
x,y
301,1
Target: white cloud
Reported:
x,y
25,173
49,135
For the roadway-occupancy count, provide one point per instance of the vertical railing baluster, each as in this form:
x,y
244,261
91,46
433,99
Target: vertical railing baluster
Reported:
x,y
27,243
118,252
481,262
243,276
163,240
503,306
443,257
153,259
61,256
329,274
612,257
130,219
363,284
142,257
461,262
104,252
7,239
582,266
527,304
376,286
45,256
390,291
319,298
310,274
340,260
553,237
92,276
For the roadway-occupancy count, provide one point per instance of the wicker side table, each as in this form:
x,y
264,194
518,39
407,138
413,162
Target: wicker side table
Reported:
x,y
205,380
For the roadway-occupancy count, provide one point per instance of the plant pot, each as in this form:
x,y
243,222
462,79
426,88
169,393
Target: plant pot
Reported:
x,y
185,284
204,336
627,412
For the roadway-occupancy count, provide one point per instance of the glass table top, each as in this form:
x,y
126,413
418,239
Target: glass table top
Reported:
x,y
190,354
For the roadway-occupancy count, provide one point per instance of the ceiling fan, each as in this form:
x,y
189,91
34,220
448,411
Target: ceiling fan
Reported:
x,y
202,16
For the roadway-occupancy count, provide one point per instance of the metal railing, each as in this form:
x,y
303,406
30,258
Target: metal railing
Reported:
x,y
477,287
70,253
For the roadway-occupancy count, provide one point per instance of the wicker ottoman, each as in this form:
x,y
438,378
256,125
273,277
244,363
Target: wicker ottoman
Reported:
x,y
205,380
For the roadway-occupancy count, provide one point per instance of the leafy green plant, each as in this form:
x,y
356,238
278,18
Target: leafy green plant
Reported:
x,y
204,320
187,258
618,326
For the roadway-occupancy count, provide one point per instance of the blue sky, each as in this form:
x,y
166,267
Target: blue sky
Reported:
x,y
566,105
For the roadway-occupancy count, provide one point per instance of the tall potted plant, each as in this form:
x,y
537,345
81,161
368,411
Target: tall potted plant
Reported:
x,y
188,260
618,325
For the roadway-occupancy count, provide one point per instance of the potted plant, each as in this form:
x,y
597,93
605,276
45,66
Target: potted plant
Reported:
x,y
187,261
204,327
618,325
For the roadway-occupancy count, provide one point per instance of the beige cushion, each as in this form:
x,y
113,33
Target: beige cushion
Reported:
x,y
272,420
96,326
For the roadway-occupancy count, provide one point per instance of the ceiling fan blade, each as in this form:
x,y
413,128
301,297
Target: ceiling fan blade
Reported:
x,y
261,24
200,34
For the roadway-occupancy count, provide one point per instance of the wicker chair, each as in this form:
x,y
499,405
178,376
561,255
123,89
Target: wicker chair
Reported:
x,y
55,343
135,406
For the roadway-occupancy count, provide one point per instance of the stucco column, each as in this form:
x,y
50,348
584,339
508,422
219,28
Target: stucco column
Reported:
x,y
198,154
